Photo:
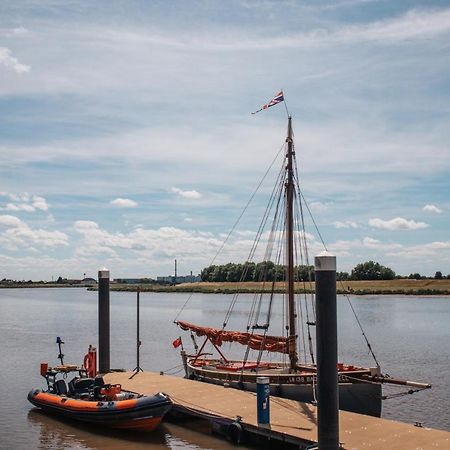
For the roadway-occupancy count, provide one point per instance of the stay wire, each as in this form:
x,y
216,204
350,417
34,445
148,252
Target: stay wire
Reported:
x,y
369,346
255,245
235,224
253,316
268,255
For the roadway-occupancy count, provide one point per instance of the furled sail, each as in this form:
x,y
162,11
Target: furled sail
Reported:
x,y
260,342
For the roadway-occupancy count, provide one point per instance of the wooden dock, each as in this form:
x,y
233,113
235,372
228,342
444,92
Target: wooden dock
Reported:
x,y
291,421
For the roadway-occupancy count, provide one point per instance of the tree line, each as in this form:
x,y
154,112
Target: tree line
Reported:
x,y
269,271
250,271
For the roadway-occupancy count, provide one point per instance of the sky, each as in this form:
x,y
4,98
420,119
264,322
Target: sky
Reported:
x,y
127,139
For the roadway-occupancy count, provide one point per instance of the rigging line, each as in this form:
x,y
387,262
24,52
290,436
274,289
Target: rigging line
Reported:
x,y
314,222
302,233
274,197
236,223
300,325
262,274
269,250
342,285
248,203
182,308
277,262
279,218
303,245
310,342
299,200
267,255
360,326
256,241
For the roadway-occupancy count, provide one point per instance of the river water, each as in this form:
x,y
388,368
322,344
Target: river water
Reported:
x,y
410,337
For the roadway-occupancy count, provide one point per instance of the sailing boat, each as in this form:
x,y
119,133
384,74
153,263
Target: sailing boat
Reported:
x,y
360,388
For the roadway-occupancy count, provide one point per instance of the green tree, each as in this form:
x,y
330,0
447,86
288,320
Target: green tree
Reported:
x,y
438,275
265,271
414,276
207,273
372,270
305,273
342,276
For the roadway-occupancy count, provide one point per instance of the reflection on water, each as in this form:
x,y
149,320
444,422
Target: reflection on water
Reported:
x,y
410,336
56,433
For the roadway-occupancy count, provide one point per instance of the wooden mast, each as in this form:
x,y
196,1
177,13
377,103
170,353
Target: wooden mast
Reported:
x,y
292,342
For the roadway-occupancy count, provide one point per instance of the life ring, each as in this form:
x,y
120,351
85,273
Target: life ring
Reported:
x,y
89,364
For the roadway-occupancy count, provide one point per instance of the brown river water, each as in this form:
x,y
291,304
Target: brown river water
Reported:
x,y
410,336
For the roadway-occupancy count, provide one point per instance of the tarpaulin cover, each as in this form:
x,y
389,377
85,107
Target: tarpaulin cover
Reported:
x,y
277,344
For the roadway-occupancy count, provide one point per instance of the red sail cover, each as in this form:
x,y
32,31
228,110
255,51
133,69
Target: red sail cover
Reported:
x,y
254,341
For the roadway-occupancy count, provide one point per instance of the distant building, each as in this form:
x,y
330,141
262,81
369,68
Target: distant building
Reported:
x,y
128,280
89,281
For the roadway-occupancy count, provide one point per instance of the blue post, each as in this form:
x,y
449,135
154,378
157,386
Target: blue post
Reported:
x,y
263,400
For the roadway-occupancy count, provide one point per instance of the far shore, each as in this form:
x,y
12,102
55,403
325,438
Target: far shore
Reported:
x,y
386,287
382,287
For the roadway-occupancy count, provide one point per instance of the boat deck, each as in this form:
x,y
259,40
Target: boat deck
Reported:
x,y
291,421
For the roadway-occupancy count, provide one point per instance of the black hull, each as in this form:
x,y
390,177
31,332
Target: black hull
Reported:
x,y
362,398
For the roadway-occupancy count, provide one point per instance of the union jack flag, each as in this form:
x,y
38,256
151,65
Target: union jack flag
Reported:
x,y
277,99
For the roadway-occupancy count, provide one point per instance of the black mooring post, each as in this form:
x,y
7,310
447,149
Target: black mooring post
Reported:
x,y
138,339
326,342
103,322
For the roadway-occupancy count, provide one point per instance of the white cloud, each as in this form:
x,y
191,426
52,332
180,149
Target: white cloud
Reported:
x,y
319,206
11,221
345,224
10,62
435,250
415,24
19,234
398,223
39,203
432,208
19,30
24,202
18,207
124,203
85,225
375,244
161,245
192,195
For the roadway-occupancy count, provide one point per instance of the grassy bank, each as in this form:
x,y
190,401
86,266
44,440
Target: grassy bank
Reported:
x,y
387,287
401,287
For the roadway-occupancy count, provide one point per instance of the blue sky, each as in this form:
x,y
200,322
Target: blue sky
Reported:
x,y
126,138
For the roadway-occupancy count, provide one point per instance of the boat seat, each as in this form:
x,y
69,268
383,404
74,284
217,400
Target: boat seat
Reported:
x,y
82,385
98,381
72,385
98,385
60,387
